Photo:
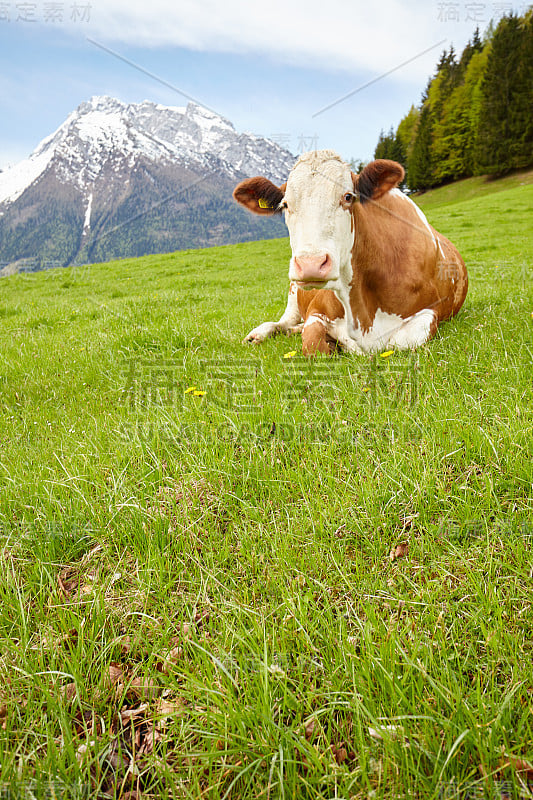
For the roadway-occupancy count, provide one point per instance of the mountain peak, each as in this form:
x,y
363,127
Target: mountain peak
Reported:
x,y
101,103
105,129
108,104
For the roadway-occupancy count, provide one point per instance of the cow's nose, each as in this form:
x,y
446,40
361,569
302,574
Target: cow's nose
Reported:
x,y
312,268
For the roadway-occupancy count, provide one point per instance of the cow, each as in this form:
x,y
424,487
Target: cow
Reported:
x,y
367,272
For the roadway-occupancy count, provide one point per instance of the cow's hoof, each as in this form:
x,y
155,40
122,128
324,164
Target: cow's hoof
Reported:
x,y
261,333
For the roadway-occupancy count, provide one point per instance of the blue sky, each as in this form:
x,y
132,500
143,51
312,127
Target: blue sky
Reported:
x,y
268,68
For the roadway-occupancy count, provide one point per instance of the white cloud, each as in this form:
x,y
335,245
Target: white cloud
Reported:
x,y
351,35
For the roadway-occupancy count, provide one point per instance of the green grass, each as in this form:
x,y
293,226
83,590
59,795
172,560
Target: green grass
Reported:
x,y
471,189
217,567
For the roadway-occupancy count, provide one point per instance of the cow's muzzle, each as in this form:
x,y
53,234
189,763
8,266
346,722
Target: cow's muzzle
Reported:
x,y
312,269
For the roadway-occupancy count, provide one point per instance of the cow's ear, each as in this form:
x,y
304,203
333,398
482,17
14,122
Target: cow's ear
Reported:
x,y
259,195
377,178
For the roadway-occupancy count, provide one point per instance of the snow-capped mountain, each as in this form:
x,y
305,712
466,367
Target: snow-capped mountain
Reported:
x,y
120,179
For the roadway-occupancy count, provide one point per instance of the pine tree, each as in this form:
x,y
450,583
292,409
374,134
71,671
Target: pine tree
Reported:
x,y
489,33
396,151
473,47
505,131
381,146
420,163
453,147
447,78
385,145
406,135
522,122
406,130
446,81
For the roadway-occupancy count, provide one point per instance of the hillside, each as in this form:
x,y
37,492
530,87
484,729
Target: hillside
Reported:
x,y
471,189
234,571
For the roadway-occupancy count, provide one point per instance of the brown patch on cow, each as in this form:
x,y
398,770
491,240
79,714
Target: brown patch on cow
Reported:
x,y
315,340
378,178
305,296
324,304
397,266
250,192
451,269
321,302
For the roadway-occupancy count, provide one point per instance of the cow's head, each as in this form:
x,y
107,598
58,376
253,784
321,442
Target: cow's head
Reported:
x,y
319,202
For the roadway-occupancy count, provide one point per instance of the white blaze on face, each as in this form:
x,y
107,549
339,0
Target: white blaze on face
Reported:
x,y
319,220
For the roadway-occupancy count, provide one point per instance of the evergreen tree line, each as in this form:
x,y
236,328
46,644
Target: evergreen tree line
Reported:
x,y
475,115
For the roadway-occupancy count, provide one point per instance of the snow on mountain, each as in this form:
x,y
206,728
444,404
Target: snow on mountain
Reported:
x,y
105,128
14,180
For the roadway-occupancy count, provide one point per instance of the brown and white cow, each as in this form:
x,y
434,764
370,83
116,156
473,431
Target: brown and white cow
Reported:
x,y
380,276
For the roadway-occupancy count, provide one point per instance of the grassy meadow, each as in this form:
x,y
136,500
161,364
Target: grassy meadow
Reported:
x,y
229,572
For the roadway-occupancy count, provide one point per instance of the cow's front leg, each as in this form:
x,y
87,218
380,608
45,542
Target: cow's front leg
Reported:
x,y
337,329
322,334
289,320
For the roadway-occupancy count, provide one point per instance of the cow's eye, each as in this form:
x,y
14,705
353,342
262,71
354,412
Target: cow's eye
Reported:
x,y
348,197
283,206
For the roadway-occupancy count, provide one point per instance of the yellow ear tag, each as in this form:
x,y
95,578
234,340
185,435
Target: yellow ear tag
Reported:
x,y
263,203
